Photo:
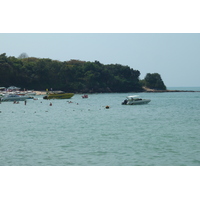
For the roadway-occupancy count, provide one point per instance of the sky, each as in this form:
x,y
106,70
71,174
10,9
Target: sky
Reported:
x,y
175,56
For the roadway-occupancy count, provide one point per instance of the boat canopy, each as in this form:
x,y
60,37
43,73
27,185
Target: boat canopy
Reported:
x,y
56,92
2,88
13,88
132,97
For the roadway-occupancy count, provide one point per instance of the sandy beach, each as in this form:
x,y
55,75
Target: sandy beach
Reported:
x,y
40,92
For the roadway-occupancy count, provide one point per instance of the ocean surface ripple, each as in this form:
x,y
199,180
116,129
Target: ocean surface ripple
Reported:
x,y
164,132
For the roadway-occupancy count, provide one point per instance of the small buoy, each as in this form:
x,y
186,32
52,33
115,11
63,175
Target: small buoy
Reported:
x,y
107,107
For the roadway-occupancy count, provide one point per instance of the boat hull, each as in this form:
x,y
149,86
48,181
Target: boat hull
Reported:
x,y
14,98
139,102
59,96
134,100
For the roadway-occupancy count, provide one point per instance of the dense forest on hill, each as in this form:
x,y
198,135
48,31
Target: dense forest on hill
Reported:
x,y
70,76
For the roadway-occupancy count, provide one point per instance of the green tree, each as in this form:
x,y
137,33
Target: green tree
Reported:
x,y
72,76
154,81
23,55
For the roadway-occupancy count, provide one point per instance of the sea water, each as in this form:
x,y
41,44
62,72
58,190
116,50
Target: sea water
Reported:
x,y
165,132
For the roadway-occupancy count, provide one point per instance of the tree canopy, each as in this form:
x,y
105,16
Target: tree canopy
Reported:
x,y
23,55
71,76
154,81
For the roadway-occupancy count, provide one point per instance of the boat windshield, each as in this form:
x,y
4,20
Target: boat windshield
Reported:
x,y
132,97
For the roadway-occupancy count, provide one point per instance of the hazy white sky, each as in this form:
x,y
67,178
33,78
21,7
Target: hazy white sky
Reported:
x,y
175,56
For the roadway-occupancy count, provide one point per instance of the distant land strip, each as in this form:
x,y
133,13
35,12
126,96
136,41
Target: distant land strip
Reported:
x,y
155,90
148,90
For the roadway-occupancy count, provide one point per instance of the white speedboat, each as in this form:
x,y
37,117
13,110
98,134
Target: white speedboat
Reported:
x,y
30,92
13,97
135,100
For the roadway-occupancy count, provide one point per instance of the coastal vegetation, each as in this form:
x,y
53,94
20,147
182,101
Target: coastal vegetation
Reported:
x,y
71,76
153,81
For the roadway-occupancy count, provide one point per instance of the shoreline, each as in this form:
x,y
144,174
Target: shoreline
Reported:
x,y
161,91
146,90
40,92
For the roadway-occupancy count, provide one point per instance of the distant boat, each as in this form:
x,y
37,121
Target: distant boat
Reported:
x,y
30,92
58,95
135,100
13,97
85,96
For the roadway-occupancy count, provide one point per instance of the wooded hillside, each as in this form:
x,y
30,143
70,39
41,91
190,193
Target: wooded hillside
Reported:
x,y
70,76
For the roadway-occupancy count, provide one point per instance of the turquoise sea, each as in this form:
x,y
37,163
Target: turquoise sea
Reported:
x,y
165,132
